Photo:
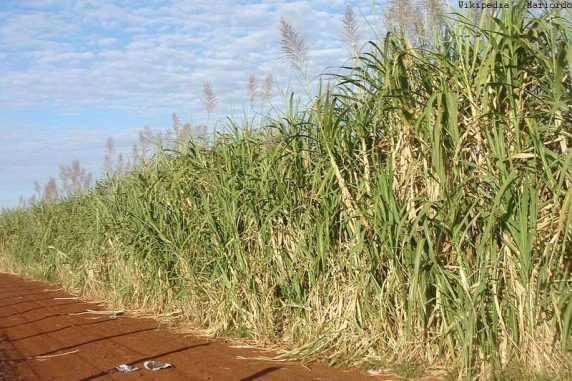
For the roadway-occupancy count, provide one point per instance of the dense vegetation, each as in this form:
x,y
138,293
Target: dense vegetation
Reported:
x,y
419,211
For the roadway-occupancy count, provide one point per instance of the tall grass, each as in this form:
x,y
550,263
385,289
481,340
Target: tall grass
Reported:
x,y
421,211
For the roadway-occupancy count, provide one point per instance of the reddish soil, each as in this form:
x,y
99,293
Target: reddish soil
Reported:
x,y
41,339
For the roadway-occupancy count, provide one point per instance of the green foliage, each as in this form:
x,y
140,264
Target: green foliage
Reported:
x,y
419,212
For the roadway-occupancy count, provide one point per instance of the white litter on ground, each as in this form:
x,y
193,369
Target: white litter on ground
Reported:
x,y
156,365
126,368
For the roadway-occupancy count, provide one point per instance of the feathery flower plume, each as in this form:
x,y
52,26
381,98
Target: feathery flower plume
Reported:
x,y
405,16
351,30
293,45
109,152
51,193
120,167
75,178
186,133
143,148
135,157
176,125
209,97
267,86
32,200
252,89
434,13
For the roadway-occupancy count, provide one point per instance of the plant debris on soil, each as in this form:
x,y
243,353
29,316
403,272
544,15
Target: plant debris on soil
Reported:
x,y
44,336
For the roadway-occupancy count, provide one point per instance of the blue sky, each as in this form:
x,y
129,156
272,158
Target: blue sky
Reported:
x,y
75,72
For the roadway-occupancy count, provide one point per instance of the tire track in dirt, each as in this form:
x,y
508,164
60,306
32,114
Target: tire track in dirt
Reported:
x,y
41,340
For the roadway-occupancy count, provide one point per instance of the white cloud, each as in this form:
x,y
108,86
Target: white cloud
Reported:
x,y
131,55
106,41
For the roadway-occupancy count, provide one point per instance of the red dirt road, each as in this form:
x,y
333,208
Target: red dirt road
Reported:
x,y
41,339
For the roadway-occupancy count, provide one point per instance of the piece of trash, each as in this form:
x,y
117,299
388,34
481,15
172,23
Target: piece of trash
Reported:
x,y
156,365
375,372
126,368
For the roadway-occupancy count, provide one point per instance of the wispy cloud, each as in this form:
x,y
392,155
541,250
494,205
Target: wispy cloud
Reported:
x,y
77,53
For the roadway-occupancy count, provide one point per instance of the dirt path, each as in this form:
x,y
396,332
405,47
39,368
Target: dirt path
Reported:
x,y
41,339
